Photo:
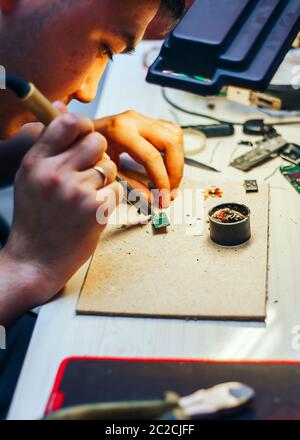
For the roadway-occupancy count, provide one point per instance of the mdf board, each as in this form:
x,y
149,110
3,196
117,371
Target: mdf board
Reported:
x,y
179,274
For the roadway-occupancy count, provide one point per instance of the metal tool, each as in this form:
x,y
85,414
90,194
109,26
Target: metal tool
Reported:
x,y
142,205
217,401
196,163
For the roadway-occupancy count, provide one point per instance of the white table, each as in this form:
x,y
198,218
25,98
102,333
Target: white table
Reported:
x,y
59,333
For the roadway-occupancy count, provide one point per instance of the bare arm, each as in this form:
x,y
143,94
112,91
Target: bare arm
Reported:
x,y
20,283
13,150
60,211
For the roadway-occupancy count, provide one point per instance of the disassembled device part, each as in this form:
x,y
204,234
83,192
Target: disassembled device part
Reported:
x,y
291,153
292,174
252,98
251,186
160,221
246,143
230,224
265,149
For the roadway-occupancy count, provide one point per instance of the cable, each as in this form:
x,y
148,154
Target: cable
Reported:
x,y
203,115
190,112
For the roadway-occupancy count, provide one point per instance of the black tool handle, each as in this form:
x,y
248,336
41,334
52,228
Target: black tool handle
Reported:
x,y
214,130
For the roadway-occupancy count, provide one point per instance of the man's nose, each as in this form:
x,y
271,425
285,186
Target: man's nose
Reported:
x,y
89,87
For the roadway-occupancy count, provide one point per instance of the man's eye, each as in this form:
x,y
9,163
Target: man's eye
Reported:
x,y
107,52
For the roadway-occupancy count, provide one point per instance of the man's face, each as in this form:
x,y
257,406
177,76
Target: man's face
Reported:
x,y
64,46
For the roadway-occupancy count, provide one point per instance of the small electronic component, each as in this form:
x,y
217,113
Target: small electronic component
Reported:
x,y
292,174
264,150
246,143
252,98
251,186
213,192
291,153
160,221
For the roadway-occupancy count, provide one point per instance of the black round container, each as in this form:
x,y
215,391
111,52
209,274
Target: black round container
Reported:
x,y
230,234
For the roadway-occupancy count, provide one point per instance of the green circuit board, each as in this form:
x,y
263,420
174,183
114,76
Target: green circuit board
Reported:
x,y
160,221
292,174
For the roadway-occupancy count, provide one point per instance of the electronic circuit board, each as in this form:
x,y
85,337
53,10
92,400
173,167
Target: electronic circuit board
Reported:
x,y
292,174
160,221
265,149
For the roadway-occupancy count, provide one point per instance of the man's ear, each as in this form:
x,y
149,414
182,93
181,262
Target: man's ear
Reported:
x,y
8,6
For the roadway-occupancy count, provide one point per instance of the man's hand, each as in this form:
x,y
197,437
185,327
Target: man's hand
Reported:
x,y
55,229
145,139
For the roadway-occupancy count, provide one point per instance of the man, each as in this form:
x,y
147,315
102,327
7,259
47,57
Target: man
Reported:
x,y
63,46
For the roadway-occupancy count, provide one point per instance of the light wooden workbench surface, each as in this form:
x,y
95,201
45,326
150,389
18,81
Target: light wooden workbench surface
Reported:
x,y
59,333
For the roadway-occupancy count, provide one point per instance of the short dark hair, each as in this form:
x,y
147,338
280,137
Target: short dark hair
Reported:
x,y
176,7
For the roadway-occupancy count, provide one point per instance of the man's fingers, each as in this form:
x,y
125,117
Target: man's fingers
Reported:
x,y
32,130
60,106
147,155
108,199
136,184
109,168
102,175
85,153
62,133
168,138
